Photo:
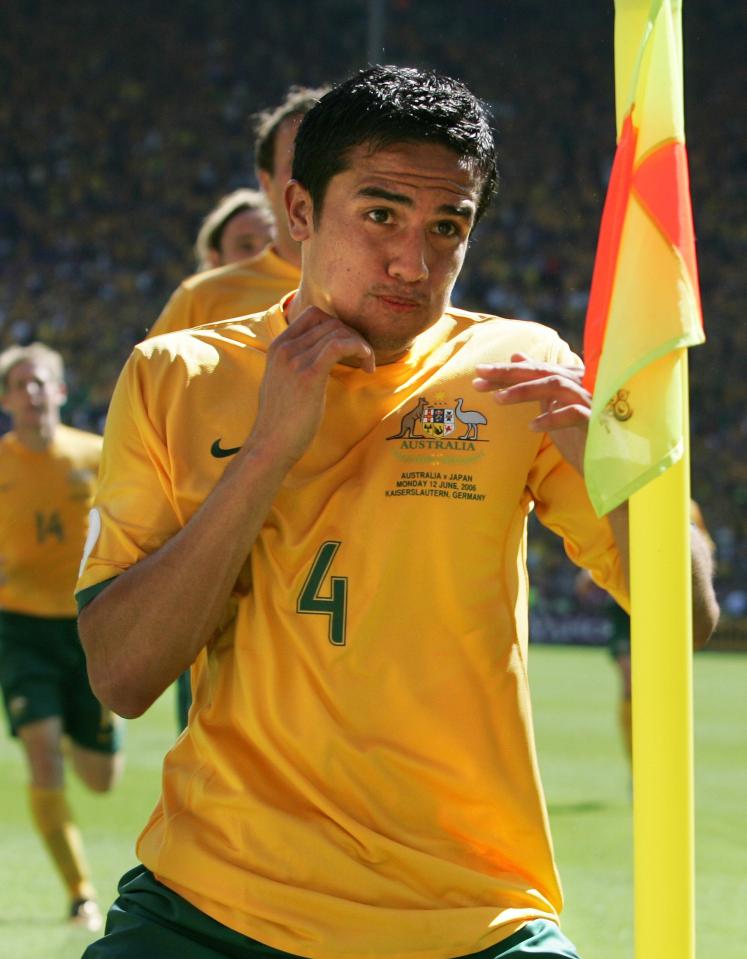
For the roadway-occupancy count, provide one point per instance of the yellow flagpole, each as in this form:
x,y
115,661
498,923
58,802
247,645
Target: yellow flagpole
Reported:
x,y
661,633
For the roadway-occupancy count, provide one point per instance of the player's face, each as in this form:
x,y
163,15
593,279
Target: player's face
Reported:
x,y
243,236
390,241
32,395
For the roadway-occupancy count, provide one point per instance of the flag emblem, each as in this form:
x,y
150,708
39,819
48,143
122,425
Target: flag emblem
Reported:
x,y
619,406
438,421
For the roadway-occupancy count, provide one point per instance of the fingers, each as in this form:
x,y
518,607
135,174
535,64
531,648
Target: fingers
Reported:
x,y
521,369
564,402
561,418
337,343
536,385
293,391
317,341
525,381
565,405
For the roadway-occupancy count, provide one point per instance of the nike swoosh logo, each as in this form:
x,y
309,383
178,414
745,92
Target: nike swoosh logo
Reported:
x,y
218,452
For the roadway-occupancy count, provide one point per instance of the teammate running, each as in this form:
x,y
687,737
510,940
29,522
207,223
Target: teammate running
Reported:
x,y
47,479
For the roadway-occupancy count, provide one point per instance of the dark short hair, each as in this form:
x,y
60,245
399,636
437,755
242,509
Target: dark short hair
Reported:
x,y
384,105
297,103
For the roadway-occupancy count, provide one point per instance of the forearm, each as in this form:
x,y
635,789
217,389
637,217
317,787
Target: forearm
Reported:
x,y
150,623
618,520
705,605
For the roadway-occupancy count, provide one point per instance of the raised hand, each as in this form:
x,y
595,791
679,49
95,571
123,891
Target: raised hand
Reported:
x,y
564,403
293,390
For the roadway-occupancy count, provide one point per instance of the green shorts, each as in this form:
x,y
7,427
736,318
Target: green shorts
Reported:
x,y
150,921
43,674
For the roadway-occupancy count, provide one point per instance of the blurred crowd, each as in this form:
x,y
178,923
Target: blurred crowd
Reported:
x,y
124,123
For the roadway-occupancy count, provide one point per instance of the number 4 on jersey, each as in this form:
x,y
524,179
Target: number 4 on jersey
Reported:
x,y
335,603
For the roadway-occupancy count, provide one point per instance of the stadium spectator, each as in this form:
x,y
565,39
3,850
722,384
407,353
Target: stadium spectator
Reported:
x,y
358,776
250,285
239,227
47,477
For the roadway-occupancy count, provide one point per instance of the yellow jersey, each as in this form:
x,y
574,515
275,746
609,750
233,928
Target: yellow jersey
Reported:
x,y
227,291
359,775
44,503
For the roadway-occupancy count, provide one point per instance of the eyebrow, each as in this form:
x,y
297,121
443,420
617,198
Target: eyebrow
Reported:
x,y
379,193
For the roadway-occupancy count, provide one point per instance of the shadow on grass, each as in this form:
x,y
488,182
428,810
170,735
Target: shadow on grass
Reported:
x,y
573,808
23,922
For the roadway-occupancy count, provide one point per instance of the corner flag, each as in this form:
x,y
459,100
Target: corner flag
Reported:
x,y
644,303
644,310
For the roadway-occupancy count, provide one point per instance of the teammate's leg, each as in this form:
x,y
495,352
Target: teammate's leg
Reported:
x,y
99,771
94,742
36,655
52,816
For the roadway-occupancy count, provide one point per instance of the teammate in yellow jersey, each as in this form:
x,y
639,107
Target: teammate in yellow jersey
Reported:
x,y
246,285
47,478
327,504
249,281
238,228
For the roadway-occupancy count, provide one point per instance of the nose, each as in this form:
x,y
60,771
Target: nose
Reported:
x,y
408,260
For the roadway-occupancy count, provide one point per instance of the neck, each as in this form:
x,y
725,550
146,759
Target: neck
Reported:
x,y
303,300
37,438
287,248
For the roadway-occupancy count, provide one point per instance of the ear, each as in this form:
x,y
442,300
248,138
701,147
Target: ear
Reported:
x,y
213,258
300,211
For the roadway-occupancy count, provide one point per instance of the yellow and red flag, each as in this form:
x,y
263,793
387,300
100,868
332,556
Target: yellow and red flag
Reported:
x,y
644,311
644,303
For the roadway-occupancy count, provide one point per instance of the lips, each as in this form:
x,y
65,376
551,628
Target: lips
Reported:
x,y
399,303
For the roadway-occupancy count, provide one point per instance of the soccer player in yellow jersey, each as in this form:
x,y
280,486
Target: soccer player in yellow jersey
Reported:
x,y
327,503
238,228
246,285
249,282
47,478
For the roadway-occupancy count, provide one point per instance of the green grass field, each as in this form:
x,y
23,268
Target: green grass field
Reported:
x,y
586,782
